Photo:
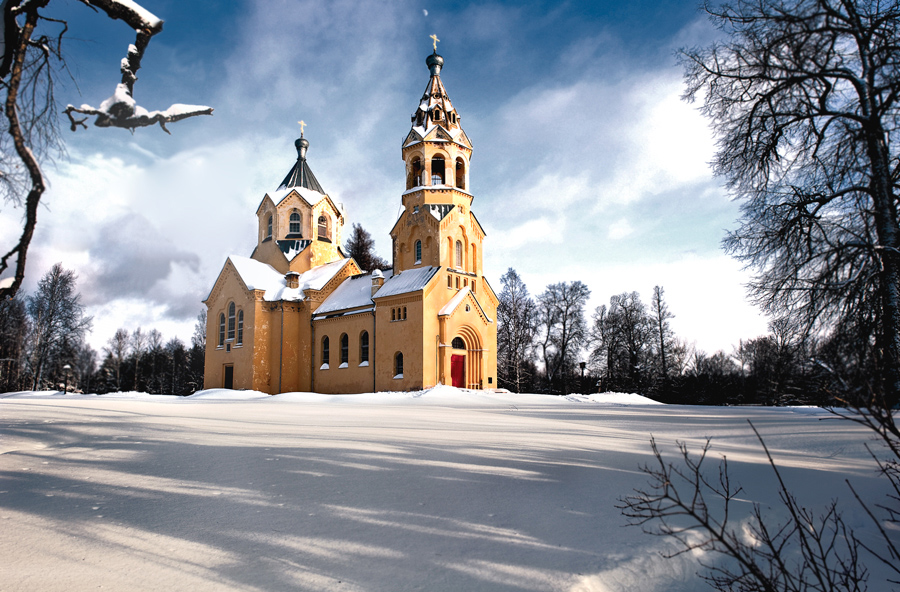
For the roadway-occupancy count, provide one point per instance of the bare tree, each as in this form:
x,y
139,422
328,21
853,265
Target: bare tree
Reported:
x,y
562,329
516,329
57,321
806,552
803,96
623,334
116,351
32,55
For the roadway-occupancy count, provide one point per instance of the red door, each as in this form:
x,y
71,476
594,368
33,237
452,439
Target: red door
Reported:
x,y
458,371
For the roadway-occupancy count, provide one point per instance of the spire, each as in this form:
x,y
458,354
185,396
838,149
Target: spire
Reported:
x,y
435,107
300,174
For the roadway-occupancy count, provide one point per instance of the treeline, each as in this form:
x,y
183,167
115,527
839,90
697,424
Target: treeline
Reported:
x,y
42,346
547,344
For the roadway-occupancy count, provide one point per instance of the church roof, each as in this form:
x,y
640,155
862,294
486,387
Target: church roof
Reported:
x,y
300,174
410,280
435,108
257,275
355,292
454,303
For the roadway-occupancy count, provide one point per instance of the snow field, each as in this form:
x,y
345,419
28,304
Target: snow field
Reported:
x,y
437,490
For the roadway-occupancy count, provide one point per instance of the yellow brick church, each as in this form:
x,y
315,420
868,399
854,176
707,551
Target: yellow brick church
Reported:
x,y
299,315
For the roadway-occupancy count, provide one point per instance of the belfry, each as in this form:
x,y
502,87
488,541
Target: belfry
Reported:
x,y
299,315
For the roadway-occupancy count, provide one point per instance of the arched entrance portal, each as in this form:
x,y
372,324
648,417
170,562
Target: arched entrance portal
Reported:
x,y
466,360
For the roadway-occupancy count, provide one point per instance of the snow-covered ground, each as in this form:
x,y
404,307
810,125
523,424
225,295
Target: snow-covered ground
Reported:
x,y
436,490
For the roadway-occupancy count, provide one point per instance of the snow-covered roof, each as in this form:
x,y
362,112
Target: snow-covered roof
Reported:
x,y
352,293
257,275
308,195
411,280
454,302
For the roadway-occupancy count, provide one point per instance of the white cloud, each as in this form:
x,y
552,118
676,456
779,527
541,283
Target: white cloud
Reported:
x,y
619,229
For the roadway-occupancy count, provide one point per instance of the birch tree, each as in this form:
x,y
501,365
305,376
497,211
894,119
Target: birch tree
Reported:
x,y
57,322
803,98
516,328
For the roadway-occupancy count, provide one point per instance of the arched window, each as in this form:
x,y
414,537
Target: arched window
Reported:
x,y
269,228
345,349
437,170
295,222
240,330
222,330
323,227
404,313
473,259
458,343
325,353
398,365
418,251
436,114
393,314
459,254
414,176
460,173
231,321
364,347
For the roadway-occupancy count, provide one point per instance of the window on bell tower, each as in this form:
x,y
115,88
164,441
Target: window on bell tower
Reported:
x,y
459,255
460,174
437,170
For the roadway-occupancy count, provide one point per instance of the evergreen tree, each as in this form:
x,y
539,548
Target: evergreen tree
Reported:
x,y
361,247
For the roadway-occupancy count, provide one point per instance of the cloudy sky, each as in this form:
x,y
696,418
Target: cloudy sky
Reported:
x,y
587,165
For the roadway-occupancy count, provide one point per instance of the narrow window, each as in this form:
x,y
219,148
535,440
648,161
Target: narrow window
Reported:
x,y
458,343
457,282
418,251
345,349
398,365
449,281
240,332
325,353
473,285
393,314
269,228
323,227
222,330
465,281
364,347
437,170
415,173
404,313
231,321
460,173
473,259
295,222
458,255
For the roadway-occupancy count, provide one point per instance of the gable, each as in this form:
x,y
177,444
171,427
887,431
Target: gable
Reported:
x,y
412,138
457,305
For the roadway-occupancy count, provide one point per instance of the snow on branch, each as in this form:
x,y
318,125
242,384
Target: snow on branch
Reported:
x,y
121,110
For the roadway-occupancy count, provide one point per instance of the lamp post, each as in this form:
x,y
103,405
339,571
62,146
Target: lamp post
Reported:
x,y
66,387
582,364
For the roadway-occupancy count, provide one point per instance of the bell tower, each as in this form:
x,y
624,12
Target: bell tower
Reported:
x,y
437,227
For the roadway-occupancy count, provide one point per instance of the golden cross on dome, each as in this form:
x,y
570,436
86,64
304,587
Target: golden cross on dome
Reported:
x,y
302,125
435,39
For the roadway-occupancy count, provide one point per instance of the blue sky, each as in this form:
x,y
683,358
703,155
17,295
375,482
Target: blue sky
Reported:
x,y
587,165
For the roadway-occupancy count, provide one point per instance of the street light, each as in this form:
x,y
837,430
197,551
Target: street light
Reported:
x,y
582,364
66,388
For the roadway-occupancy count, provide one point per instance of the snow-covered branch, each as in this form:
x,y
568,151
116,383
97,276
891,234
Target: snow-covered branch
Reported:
x,y
121,110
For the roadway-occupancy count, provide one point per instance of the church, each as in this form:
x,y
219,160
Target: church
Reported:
x,y
298,314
